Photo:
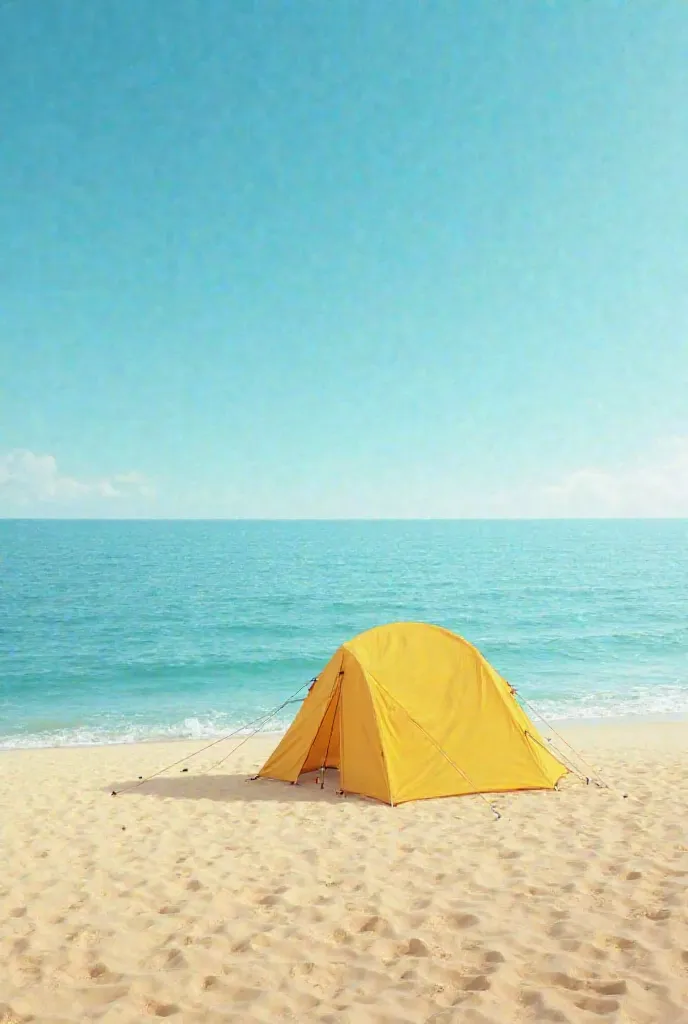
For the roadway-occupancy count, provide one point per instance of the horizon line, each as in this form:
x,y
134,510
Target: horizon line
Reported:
x,y
344,519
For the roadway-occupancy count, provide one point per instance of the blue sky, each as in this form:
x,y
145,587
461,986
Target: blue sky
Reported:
x,y
343,259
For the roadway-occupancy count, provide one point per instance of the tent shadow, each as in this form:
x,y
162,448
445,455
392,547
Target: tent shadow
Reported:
x,y
235,789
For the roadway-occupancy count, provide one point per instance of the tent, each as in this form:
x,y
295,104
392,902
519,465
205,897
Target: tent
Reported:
x,y
409,711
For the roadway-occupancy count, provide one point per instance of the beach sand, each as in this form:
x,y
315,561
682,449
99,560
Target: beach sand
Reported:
x,y
207,898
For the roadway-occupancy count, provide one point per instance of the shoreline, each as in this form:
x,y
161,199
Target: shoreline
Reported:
x,y
572,742
555,725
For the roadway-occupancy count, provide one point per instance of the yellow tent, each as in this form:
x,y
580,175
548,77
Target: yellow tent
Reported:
x,y
409,711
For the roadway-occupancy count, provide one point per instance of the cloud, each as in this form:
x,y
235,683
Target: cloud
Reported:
x,y
27,478
655,486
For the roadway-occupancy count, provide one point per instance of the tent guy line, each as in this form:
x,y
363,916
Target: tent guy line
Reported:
x,y
594,773
294,699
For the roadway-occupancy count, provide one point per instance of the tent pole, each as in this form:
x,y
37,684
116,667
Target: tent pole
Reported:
x,y
329,741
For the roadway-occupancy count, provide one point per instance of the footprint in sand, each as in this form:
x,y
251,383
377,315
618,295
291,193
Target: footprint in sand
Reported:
x,y
161,1009
598,1006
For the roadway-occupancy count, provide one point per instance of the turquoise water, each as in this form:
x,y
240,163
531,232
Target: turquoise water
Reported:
x,y
123,631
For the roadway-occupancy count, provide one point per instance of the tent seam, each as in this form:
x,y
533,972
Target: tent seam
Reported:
x,y
377,726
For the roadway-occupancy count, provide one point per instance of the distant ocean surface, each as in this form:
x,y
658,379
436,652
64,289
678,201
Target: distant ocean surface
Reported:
x,y
127,631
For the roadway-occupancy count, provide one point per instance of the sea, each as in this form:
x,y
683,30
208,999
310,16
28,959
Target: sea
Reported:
x,y
119,632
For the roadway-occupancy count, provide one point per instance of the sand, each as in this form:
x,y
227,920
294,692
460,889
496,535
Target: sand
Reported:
x,y
207,898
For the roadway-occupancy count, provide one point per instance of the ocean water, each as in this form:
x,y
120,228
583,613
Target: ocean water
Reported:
x,y
126,631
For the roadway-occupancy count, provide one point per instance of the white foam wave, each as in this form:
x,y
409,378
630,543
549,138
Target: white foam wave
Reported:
x,y
636,703
95,736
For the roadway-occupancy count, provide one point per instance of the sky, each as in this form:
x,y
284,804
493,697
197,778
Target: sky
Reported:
x,y
345,259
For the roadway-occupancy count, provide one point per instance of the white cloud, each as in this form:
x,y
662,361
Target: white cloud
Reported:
x,y
28,478
653,487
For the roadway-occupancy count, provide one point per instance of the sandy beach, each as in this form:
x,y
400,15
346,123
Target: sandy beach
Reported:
x,y
202,897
